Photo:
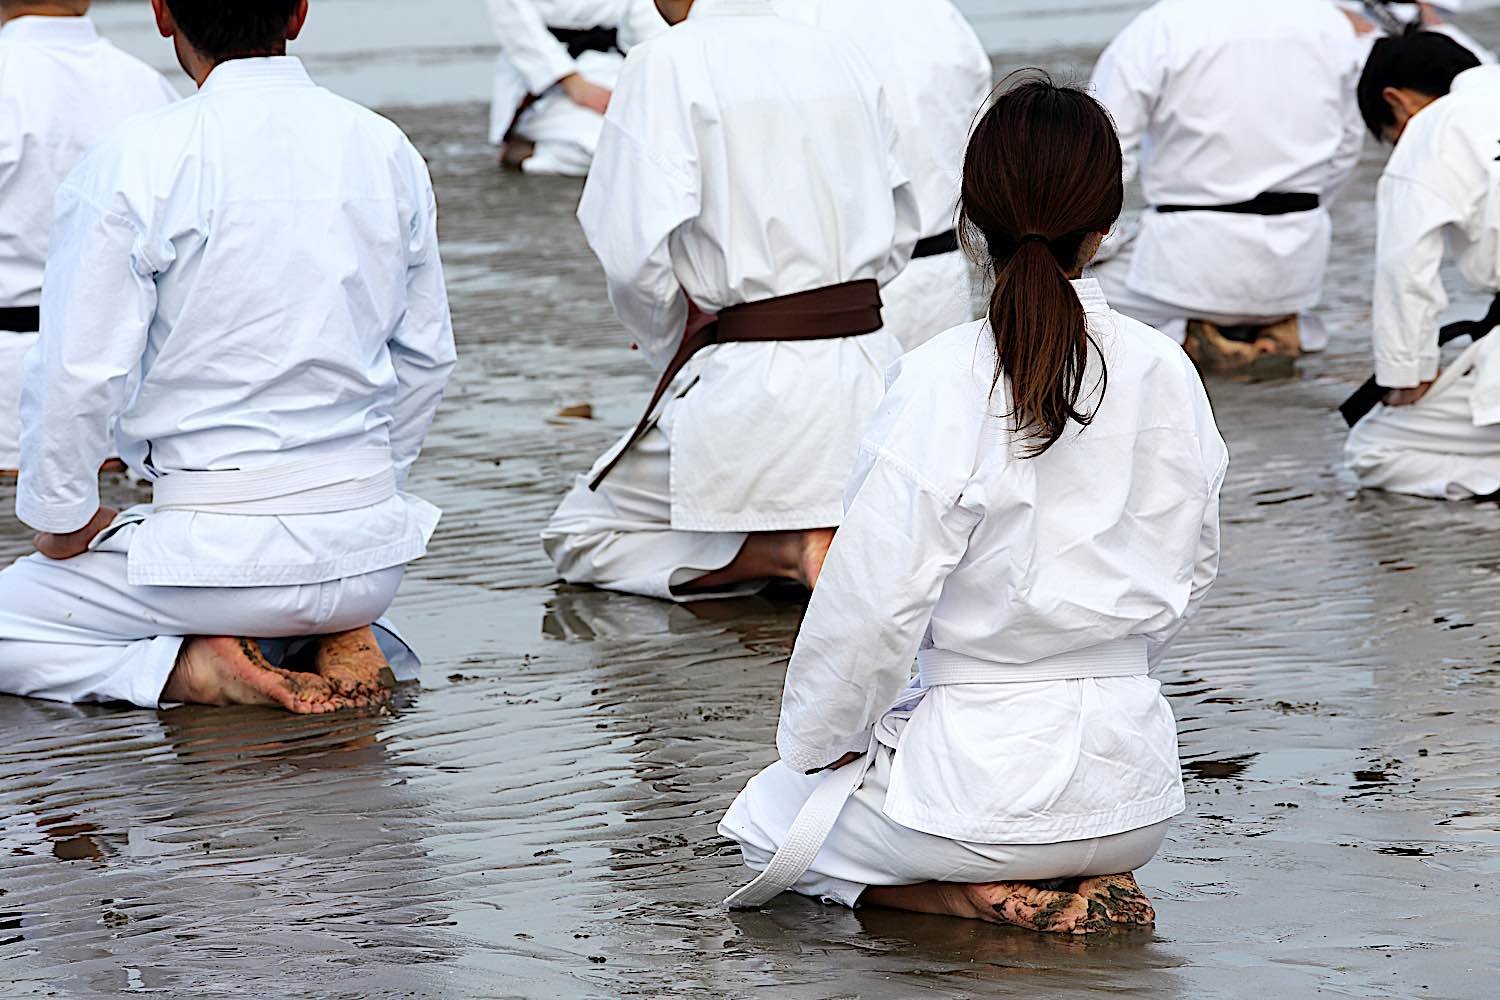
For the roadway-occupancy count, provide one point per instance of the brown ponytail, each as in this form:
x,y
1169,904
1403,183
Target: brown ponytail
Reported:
x,y
1043,174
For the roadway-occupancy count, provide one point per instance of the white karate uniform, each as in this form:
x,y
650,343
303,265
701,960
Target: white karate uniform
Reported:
x,y
1033,594
1218,101
247,280
1441,189
937,77
532,61
62,87
693,194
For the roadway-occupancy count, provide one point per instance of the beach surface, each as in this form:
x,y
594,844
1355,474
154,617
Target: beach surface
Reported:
x,y
538,818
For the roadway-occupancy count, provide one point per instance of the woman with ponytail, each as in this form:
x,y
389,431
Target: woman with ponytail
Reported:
x,y
1033,516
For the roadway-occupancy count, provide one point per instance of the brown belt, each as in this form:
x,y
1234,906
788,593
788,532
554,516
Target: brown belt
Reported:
x,y
833,313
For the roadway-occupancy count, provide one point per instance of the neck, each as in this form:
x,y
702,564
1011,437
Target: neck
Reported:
x,y
11,11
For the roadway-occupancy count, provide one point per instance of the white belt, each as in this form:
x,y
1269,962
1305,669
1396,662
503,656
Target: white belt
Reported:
x,y
1119,658
815,821
324,485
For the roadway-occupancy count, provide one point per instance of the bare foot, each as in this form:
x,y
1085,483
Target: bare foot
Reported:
x,y
1121,897
221,670
1016,903
771,555
1040,909
815,546
353,665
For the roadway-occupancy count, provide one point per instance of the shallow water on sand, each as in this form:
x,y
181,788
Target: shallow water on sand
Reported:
x,y
538,819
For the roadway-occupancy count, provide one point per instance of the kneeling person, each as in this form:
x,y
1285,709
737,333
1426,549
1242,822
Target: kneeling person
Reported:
x,y
747,170
247,287
1033,515
1241,119
1438,434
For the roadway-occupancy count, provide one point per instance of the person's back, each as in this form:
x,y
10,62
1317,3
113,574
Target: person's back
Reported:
x,y
1033,515
244,292
1241,121
773,111
936,77
255,357
62,88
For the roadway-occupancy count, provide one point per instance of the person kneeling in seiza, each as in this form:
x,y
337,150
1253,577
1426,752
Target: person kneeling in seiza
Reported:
x,y
1437,434
1033,516
246,287
749,168
1241,120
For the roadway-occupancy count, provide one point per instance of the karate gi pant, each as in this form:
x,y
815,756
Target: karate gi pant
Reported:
x,y
1433,447
13,349
1113,274
621,537
866,848
565,134
932,295
78,631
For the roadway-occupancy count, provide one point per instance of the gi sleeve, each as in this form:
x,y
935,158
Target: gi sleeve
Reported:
x,y
1215,456
422,348
538,56
642,186
907,527
1409,293
1128,80
98,301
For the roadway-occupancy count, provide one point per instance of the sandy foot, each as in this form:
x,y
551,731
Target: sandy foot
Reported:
x,y
223,671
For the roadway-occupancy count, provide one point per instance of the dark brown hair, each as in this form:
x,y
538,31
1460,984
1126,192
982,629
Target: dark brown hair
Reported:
x,y
1043,173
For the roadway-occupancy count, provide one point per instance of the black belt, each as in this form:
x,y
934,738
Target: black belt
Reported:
x,y
1271,203
581,40
936,246
26,319
1372,393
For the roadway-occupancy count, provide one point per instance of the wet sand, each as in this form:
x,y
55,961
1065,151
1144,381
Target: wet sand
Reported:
x,y
537,820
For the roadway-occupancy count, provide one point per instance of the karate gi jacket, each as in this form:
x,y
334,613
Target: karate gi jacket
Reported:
x,y
955,544
62,88
246,278
1440,192
748,157
1216,102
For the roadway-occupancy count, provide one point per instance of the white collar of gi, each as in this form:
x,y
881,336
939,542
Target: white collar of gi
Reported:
x,y
257,74
1475,77
731,8
1091,295
40,30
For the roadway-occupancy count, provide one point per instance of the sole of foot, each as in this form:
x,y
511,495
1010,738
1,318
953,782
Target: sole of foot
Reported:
x,y
223,671
353,665
1121,897
1043,910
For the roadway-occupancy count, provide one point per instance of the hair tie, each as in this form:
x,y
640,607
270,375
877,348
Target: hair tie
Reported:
x,y
1032,238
